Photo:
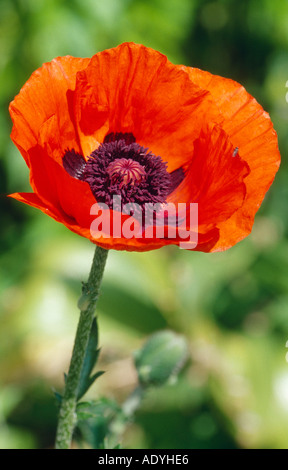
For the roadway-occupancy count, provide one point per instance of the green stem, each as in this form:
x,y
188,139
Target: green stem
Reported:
x,y
87,305
121,420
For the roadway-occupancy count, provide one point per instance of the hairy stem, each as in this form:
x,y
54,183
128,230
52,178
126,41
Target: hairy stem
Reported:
x,y
87,304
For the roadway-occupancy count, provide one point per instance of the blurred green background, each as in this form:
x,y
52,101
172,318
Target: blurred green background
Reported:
x,y
232,306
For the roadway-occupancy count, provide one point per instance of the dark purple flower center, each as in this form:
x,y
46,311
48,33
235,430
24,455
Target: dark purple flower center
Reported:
x,y
120,166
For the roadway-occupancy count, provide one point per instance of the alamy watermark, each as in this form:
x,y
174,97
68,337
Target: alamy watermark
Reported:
x,y
167,220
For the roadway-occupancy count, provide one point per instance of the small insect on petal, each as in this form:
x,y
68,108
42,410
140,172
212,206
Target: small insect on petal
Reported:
x,y
235,152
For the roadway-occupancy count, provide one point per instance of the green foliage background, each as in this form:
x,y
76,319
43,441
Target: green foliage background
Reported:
x,y
232,306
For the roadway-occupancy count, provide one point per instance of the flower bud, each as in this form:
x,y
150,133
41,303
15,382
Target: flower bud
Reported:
x,y
161,358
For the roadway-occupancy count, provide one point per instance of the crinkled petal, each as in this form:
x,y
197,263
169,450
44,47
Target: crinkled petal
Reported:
x,y
137,90
45,95
215,179
250,129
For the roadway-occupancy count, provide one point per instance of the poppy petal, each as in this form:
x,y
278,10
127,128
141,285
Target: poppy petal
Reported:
x,y
136,90
45,95
34,200
250,129
216,182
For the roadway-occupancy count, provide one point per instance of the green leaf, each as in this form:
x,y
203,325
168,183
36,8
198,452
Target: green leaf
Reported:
x,y
94,419
102,407
91,357
58,396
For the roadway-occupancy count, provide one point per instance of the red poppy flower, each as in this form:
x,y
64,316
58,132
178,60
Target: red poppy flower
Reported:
x,y
130,124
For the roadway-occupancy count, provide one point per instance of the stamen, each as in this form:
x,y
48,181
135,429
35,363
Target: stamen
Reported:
x,y
113,136
177,176
122,167
127,170
74,163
